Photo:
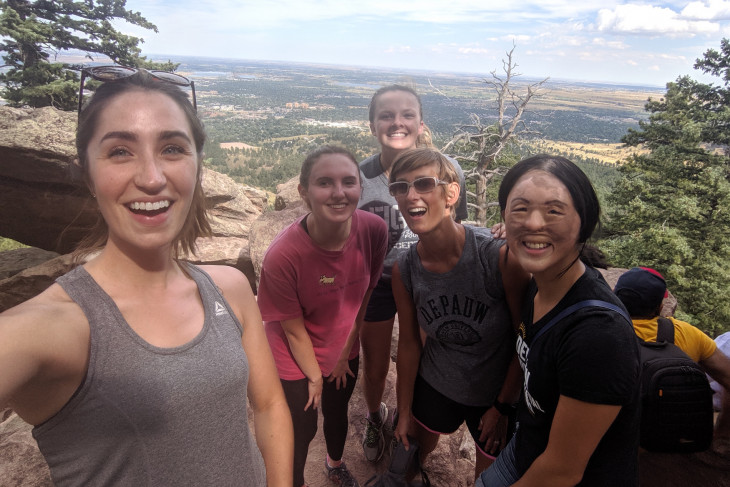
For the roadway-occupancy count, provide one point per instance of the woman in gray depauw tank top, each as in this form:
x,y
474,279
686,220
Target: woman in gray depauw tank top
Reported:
x,y
458,300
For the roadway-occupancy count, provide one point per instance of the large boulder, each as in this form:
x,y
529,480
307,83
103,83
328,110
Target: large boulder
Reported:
x,y
232,209
21,463
39,205
289,207
14,261
32,281
42,207
287,194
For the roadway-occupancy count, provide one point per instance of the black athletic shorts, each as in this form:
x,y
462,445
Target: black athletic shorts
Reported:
x,y
439,414
381,306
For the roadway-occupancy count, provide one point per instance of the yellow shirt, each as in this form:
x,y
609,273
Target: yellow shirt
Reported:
x,y
691,340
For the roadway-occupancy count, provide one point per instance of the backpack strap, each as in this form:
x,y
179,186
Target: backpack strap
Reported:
x,y
665,330
596,303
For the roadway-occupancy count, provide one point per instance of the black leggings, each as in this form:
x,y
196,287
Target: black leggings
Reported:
x,y
334,411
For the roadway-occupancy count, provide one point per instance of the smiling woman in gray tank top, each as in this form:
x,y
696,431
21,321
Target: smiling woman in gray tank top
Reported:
x,y
136,368
456,288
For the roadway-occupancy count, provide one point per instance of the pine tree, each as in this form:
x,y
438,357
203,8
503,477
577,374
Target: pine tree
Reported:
x,y
671,208
34,33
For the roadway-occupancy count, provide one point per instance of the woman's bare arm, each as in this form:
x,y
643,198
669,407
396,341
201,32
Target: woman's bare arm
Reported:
x,y
576,430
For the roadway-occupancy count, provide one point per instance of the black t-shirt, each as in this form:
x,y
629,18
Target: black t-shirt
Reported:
x,y
592,356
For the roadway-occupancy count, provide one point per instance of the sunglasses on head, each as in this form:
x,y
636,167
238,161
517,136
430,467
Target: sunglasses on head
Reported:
x,y
421,185
115,73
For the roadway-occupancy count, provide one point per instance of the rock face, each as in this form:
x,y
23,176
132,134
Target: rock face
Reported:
x,y
21,464
39,205
232,208
14,261
42,207
32,281
289,207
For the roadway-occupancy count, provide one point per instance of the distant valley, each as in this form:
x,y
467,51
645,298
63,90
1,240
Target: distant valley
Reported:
x,y
262,117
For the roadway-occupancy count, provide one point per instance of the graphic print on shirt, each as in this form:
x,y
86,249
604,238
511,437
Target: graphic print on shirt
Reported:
x,y
459,310
325,281
399,235
523,351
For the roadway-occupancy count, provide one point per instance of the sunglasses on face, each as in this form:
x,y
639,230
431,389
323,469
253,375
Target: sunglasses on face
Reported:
x,y
421,185
115,73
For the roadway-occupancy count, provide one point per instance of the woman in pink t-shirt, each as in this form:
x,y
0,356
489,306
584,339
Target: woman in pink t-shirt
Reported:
x,y
316,280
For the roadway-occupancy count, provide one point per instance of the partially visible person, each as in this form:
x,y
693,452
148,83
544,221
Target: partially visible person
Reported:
x,y
457,287
136,367
578,417
642,291
396,121
316,279
723,345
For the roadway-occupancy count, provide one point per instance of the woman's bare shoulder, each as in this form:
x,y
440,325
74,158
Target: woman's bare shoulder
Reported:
x,y
227,278
51,303
235,287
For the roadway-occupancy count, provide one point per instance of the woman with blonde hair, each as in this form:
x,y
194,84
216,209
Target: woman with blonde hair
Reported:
x,y
457,287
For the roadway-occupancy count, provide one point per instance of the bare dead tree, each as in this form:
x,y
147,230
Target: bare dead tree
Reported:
x,y
481,143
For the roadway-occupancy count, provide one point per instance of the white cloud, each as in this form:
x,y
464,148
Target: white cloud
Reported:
x,y
653,68
648,19
672,57
600,41
473,50
552,36
517,38
254,14
712,10
398,49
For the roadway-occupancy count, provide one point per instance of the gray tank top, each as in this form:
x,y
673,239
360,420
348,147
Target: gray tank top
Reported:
x,y
470,339
150,416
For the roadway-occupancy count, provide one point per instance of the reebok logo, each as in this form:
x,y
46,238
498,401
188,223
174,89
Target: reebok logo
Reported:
x,y
220,309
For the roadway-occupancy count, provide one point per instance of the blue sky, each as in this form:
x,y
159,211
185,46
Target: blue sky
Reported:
x,y
634,42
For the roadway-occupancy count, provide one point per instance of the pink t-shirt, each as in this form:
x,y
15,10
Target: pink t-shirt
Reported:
x,y
325,287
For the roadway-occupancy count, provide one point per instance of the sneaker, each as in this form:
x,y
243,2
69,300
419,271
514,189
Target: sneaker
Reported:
x,y
340,475
373,440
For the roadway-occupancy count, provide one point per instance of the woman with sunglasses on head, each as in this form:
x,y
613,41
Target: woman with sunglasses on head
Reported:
x,y
396,121
578,417
456,287
316,280
136,367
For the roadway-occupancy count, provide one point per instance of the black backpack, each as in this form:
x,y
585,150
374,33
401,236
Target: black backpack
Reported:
x,y
676,399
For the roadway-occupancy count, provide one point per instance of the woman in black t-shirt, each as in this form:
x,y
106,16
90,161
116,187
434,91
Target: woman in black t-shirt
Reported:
x,y
578,417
